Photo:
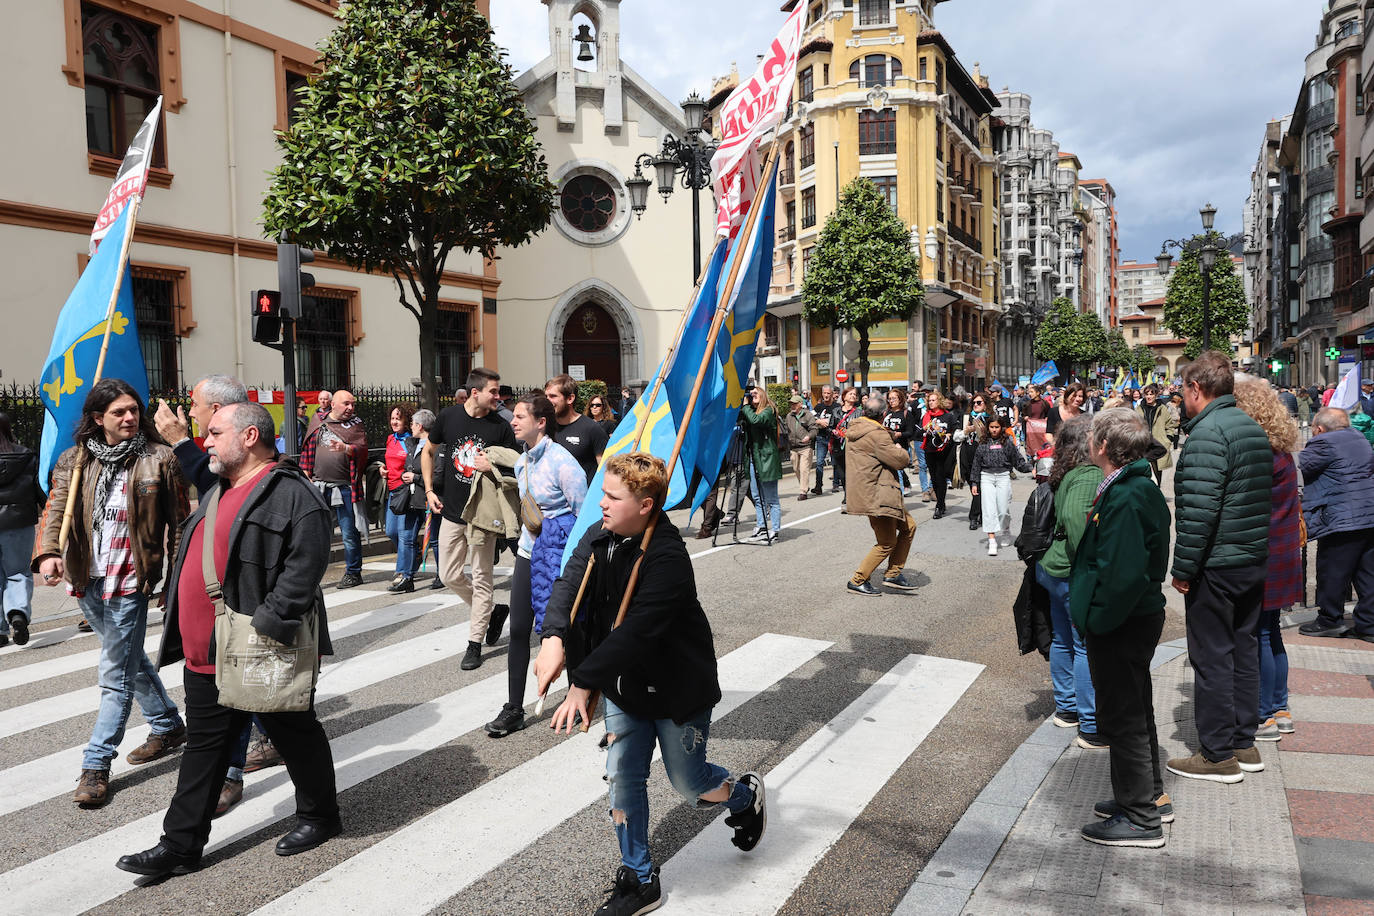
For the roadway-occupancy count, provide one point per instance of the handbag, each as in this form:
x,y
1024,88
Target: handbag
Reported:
x,y
255,673
399,499
531,516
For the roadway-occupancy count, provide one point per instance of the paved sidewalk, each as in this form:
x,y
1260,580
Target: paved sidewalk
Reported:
x,y
1297,837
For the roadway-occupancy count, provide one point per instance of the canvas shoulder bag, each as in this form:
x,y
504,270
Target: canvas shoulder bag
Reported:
x,y
531,516
253,672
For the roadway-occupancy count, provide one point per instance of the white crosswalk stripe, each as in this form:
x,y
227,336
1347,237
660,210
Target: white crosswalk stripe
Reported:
x,y
815,792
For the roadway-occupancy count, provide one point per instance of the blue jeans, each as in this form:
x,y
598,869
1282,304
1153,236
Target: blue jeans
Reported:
x,y
125,674
16,581
402,530
921,468
1273,662
1069,674
627,775
770,497
348,530
823,452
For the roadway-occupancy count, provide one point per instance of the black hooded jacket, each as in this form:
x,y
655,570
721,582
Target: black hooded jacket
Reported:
x,y
21,499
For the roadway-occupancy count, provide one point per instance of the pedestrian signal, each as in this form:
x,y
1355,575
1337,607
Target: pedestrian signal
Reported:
x,y
266,316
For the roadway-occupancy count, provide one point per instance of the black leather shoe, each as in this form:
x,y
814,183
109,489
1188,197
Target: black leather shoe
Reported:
x,y
305,837
974,526
158,862
867,589
1318,628
19,626
1349,634
938,513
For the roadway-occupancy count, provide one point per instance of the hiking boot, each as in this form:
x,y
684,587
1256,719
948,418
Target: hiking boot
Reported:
x,y
229,796
1091,741
627,896
1318,628
1120,831
93,789
509,719
349,580
499,613
473,657
865,588
1065,719
261,755
1109,808
1199,767
1284,719
1268,731
1248,758
19,628
158,746
900,581
750,823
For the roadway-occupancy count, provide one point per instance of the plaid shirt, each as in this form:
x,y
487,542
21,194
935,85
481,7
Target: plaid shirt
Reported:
x,y
355,463
112,560
1106,482
1283,584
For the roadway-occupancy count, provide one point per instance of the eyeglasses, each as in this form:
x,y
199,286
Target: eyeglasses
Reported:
x,y
976,403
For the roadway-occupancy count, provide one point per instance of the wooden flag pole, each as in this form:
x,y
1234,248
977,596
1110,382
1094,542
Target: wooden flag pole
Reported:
x,y
717,322
74,486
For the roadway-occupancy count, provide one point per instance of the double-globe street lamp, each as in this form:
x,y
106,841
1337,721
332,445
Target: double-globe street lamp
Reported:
x,y
688,158
1207,254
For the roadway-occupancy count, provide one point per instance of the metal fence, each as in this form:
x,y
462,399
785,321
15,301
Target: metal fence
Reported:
x,y
25,407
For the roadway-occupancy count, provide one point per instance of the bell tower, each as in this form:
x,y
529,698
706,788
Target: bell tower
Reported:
x,y
584,42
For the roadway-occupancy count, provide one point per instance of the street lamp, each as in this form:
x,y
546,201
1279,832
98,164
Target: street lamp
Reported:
x,y
688,158
1207,257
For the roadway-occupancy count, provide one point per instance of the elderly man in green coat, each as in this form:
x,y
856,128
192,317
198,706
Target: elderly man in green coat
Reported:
x,y
1222,502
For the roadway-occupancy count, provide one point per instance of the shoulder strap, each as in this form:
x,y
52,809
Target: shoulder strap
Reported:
x,y
207,553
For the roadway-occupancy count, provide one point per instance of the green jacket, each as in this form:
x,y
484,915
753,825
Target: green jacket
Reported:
x,y
761,432
1364,424
1119,568
1222,497
1072,501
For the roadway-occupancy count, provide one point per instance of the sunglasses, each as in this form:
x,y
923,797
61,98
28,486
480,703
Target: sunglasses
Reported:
x,y
976,403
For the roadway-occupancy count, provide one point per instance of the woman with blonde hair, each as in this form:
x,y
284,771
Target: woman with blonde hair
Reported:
x,y
1283,574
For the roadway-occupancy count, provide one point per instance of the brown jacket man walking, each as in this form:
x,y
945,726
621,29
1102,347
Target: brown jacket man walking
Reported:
x,y
872,459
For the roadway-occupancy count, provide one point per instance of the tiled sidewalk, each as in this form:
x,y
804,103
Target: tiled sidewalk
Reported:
x,y
1298,836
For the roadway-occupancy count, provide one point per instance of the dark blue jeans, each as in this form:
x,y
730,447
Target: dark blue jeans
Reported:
x,y
1273,666
348,530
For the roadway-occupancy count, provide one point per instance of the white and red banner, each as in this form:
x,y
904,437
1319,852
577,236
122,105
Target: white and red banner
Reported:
x,y
131,178
754,108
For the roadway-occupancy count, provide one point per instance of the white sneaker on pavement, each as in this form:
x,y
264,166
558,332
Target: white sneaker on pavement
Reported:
x,y
992,547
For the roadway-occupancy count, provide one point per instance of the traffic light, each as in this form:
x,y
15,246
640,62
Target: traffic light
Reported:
x,y
266,312
289,276
1333,352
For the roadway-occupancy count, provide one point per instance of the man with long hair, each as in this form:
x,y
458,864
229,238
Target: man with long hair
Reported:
x,y
126,520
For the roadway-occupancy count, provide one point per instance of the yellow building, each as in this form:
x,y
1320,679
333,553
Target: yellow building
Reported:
x,y
881,95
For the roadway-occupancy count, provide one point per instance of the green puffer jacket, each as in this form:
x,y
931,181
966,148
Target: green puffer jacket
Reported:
x,y
1222,492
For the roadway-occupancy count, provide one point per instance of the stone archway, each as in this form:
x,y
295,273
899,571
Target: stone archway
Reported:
x,y
594,323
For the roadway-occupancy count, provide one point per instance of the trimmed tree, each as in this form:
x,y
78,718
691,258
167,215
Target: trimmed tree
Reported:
x,y
1117,353
1069,337
1142,361
1183,301
863,271
411,142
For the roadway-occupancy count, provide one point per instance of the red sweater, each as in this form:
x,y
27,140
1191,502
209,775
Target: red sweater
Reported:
x,y
395,460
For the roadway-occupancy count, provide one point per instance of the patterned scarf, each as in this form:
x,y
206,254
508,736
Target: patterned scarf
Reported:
x,y
113,459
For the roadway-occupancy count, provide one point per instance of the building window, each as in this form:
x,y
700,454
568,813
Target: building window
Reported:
x,y
939,76
875,70
324,354
120,68
588,203
453,344
874,12
887,186
805,85
814,14
923,68
939,139
878,132
939,202
806,259
807,136
157,308
1135,332
808,208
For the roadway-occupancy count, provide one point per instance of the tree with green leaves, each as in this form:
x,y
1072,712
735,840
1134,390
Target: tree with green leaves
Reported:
x,y
1071,338
1117,353
1183,301
411,142
863,271
1141,362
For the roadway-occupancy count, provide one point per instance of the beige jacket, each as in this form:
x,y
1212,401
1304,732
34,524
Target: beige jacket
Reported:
x,y
871,461
493,506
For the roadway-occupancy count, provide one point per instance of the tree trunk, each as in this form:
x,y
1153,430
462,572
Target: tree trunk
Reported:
x,y
863,357
429,326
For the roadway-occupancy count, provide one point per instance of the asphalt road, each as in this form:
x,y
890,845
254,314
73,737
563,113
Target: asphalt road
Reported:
x,y
962,611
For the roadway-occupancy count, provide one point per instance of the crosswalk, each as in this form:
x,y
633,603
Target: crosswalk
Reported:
x,y
408,648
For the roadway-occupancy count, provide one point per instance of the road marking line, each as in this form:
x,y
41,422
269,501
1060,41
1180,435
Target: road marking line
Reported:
x,y
785,525
49,776
817,792
450,848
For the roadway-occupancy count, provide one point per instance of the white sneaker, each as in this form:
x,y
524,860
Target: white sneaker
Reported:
x,y
992,547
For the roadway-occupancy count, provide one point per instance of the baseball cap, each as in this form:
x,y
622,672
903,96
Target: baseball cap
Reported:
x,y
795,399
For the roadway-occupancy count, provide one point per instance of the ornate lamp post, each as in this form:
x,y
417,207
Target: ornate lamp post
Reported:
x,y
688,159
1207,256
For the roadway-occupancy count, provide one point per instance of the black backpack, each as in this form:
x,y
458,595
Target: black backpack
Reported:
x,y
1039,527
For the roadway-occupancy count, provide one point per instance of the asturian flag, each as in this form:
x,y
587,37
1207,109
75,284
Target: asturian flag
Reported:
x,y
1046,373
69,370
132,177
754,108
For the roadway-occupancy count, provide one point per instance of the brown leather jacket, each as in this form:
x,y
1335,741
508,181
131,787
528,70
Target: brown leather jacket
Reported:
x,y
157,506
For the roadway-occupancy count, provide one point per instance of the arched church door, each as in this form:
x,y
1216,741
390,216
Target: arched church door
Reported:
x,y
590,340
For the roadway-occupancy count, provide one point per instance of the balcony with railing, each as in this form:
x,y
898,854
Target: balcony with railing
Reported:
x,y
956,182
787,234
966,239
786,177
977,201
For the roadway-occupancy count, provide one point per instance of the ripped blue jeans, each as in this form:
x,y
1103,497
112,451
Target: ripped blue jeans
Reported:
x,y
627,775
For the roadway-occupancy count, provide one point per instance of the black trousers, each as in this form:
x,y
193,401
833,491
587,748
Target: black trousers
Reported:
x,y
212,732
1223,609
521,623
940,466
975,503
1120,666
1343,558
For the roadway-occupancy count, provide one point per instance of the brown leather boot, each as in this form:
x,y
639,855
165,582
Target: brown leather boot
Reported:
x,y
93,790
158,746
229,796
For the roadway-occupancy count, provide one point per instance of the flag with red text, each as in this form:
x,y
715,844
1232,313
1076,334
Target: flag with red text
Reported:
x,y
755,107
131,178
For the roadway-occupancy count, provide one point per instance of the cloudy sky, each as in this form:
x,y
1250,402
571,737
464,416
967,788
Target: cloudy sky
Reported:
x,y
1167,99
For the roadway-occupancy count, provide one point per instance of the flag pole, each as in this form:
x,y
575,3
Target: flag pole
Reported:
x,y
74,487
722,309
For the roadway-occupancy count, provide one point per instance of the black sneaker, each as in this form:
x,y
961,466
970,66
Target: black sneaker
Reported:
x,y
1120,831
349,580
629,897
4,639
509,719
1091,741
900,581
1065,719
866,588
400,585
19,628
1109,808
473,657
750,823
1318,628
438,583
498,620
